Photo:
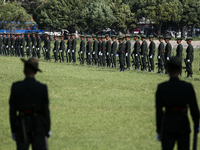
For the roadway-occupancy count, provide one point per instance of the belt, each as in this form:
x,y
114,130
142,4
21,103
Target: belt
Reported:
x,y
176,110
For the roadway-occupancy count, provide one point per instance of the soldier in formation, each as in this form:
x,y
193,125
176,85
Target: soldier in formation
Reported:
x,y
99,51
121,53
161,48
73,48
113,51
136,52
152,47
95,50
88,49
34,40
108,50
103,51
128,51
12,44
62,48
82,50
143,53
69,47
1,43
38,46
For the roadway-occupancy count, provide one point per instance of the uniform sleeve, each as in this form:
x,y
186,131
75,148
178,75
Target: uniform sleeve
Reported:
x,y
153,48
13,110
129,47
194,110
159,111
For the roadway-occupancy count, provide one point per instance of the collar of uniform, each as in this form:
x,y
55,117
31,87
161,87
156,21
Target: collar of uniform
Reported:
x,y
29,79
174,79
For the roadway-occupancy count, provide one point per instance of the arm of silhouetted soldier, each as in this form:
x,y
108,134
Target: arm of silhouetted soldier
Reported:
x,y
194,110
159,111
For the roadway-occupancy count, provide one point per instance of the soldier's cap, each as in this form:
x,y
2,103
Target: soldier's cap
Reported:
x,y
179,38
151,36
107,35
68,34
102,37
160,37
72,34
11,33
20,34
82,35
55,36
113,36
33,62
120,37
94,36
39,33
28,33
188,38
61,35
128,35
143,36
33,32
99,37
136,35
88,36
4,33
168,37
175,61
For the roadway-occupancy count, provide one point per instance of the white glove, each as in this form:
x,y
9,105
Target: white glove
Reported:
x,y
12,46
27,47
111,54
46,50
99,53
33,46
21,46
14,136
150,56
158,137
49,134
7,46
188,60
167,58
81,52
68,50
88,53
54,51
142,56
158,57
38,48
136,54
107,53
60,50
72,51
126,54
93,53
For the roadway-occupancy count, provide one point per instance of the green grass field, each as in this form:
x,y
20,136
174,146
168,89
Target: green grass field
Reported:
x,y
92,108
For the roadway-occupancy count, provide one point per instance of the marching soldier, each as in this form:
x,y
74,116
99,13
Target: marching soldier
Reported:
x,y
168,49
12,44
62,47
22,45
88,49
69,47
175,97
29,110
1,43
108,50
161,55
28,45
99,51
47,47
19,44
103,51
128,51
16,45
189,57
7,45
121,53
34,40
113,51
136,51
144,53
179,49
152,47
4,44
95,50
73,48
55,49
82,49
38,46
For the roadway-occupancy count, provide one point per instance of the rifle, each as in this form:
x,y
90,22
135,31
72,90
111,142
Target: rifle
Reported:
x,y
23,126
185,66
195,141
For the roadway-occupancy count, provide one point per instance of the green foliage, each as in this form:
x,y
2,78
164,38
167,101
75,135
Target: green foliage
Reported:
x,y
31,5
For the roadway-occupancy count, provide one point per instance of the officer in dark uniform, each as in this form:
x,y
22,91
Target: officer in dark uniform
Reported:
x,y
34,40
29,110
73,48
113,51
19,44
161,55
62,47
179,49
121,52
38,46
175,97
55,49
47,47
152,47
28,45
143,53
189,57
168,49
95,49
7,44
128,51
69,48
16,44
82,49
1,43
103,51
136,51
12,44
4,43
22,45
99,51
108,50
88,49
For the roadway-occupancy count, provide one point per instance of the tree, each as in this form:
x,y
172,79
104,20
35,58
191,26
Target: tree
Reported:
x,y
31,5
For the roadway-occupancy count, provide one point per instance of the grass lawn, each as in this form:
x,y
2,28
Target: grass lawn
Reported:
x,y
92,108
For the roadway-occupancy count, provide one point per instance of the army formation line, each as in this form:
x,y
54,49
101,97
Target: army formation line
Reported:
x,y
101,52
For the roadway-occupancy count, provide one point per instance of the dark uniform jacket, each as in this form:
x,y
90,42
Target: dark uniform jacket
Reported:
x,y
47,44
34,41
29,96
82,46
136,47
152,47
22,42
19,41
62,45
108,46
144,48
128,47
55,49
103,47
4,40
28,44
114,47
12,42
99,47
121,50
189,52
74,45
69,44
175,96
39,40
168,49
89,47
8,41
1,41
95,47
161,49
179,50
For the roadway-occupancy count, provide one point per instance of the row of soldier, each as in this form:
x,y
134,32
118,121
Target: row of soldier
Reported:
x,y
102,52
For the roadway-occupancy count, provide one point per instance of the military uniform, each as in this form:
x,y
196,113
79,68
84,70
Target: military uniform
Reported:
x,y
8,45
121,52
179,50
113,53
103,51
161,56
19,44
82,50
88,51
95,51
175,97
108,50
99,53
128,53
47,49
38,46
1,43
29,113
74,50
144,54
34,40
136,53
4,44
189,59
28,46
12,45
22,46
62,49
152,47
55,50
69,48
